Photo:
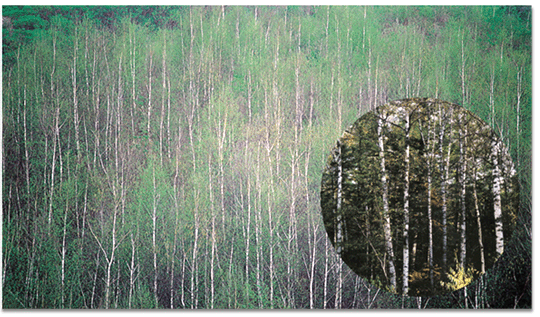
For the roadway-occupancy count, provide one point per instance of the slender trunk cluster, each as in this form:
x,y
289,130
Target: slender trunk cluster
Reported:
x,y
178,165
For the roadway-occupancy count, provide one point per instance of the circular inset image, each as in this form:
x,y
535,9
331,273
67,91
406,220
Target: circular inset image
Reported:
x,y
419,197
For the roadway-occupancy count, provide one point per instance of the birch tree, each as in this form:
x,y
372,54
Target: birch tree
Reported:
x,y
497,210
385,212
406,206
428,135
463,207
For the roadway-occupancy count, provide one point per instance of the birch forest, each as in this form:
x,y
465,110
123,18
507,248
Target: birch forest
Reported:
x,y
395,203
173,157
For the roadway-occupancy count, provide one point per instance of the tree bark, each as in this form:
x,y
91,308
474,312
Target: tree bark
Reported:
x,y
132,269
492,95
463,90
463,223
497,208
386,212
156,197
405,290
248,225
63,252
56,133
479,223
163,90
428,140
444,179
75,100
213,233
194,269
325,287
149,112
430,223
270,199
258,224
518,114
133,94
338,238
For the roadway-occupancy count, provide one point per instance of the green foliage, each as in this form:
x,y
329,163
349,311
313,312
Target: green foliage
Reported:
x,y
286,80
458,278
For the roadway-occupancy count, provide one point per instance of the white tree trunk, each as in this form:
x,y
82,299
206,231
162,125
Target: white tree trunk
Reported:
x,y
405,290
518,112
338,239
463,223
194,269
154,232
479,223
132,270
75,101
428,138
497,208
445,206
213,233
258,224
163,89
149,113
339,228
386,213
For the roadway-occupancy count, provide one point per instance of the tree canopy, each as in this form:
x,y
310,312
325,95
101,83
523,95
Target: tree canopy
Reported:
x,y
171,156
